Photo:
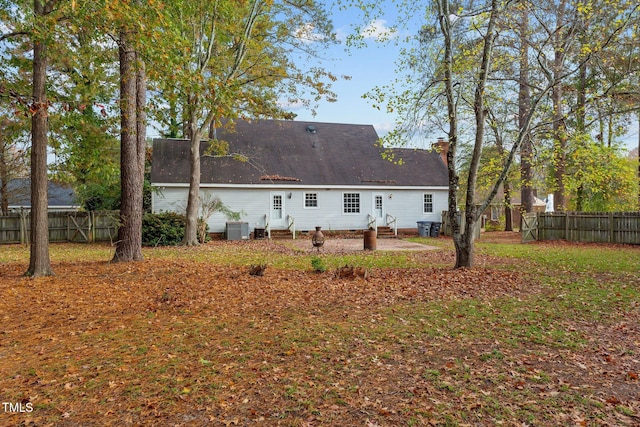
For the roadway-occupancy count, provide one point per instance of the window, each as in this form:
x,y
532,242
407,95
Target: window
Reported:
x,y
495,213
310,200
377,205
351,203
427,206
276,211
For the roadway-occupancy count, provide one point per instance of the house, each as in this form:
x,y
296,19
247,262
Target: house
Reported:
x,y
496,211
61,198
297,175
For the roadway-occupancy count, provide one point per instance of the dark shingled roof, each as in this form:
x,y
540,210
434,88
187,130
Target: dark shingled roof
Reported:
x,y
19,191
298,153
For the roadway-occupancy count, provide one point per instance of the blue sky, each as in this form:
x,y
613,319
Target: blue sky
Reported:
x,y
371,66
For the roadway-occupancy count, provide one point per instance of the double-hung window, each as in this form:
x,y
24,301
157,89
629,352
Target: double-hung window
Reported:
x,y
427,203
310,200
351,203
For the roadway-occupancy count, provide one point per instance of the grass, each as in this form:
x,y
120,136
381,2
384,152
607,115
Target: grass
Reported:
x,y
531,358
569,258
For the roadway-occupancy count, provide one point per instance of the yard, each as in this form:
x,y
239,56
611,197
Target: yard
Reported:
x,y
541,334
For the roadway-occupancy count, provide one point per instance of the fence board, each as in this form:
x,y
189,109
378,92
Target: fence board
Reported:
x,y
105,226
446,224
10,228
594,227
529,227
101,226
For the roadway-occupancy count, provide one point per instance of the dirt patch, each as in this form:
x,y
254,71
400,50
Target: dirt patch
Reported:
x,y
341,245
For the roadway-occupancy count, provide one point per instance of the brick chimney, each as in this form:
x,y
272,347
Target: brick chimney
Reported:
x,y
442,146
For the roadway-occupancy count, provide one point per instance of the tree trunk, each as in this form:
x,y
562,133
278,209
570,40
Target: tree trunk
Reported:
x,y
4,178
129,244
508,220
524,106
193,199
479,107
39,260
559,128
581,122
141,121
465,244
559,150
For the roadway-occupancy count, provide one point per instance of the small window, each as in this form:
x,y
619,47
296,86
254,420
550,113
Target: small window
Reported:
x,y
495,213
310,200
351,203
276,211
427,206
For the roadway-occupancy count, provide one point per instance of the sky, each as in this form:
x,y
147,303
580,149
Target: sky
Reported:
x,y
371,66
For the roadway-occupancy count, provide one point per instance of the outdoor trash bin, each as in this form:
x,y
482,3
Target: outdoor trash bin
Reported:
x,y
424,228
435,229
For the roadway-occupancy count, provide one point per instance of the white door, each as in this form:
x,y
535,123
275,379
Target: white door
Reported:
x,y
277,220
378,209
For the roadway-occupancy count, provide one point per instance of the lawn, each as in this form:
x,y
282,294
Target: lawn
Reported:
x,y
542,334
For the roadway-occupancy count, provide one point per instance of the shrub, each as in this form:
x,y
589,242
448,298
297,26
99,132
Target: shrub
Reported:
x,y
164,229
318,264
167,229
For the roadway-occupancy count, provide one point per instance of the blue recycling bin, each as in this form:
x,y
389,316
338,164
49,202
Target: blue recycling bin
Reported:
x,y
424,228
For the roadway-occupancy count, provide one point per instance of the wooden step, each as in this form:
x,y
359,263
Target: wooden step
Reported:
x,y
385,232
281,234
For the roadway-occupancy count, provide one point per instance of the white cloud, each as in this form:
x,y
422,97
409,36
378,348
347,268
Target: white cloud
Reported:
x,y
291,105
307,33
378,30
384,128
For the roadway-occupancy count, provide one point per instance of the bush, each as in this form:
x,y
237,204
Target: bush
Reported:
x,y
164,229
318,264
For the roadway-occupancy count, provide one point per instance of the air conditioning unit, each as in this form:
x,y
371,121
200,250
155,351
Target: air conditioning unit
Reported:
x,y
237,230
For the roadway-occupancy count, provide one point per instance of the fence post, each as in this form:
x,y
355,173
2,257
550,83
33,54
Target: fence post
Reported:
x,y
611,228
91,232
24,235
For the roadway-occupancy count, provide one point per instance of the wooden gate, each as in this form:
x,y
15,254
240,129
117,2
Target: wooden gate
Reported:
x,y
79,228
529,227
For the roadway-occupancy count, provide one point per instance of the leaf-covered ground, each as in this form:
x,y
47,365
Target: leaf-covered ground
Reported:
x,y
188,337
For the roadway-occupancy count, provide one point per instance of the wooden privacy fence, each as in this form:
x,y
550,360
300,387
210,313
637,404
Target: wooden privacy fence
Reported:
x,y
81,227
602,227
446,224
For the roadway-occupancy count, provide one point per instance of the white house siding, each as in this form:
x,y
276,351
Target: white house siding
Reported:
x,y
406,204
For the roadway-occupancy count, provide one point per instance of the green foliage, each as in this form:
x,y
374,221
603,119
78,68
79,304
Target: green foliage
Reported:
x,y
209,205
494,225
600,179
166,229
318,264
162,229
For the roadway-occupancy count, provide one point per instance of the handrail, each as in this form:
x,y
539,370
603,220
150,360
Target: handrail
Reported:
x,y
267,226
392,221
371,222
292,225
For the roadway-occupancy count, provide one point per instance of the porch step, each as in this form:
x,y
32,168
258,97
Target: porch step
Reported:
x,y
385,232
281,234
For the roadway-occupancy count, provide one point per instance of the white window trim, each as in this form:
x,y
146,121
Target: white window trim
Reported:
x,y
424,211
359,203
304,200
